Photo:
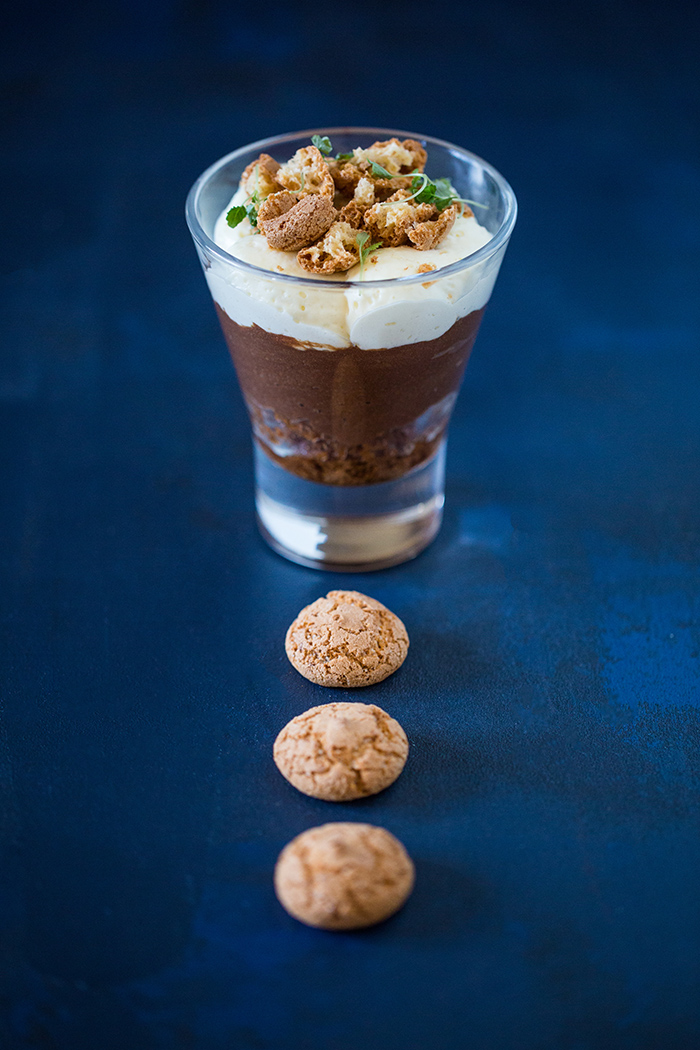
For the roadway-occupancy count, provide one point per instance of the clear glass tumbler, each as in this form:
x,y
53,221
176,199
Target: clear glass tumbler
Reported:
x,y
350,384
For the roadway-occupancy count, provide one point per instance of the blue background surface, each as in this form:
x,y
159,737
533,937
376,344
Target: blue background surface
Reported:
x,y
551,691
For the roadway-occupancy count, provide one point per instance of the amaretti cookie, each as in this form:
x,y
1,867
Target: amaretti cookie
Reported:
x,y
343,876
346,640
341,751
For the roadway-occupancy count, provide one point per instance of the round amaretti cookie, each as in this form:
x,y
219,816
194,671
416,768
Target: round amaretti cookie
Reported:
x,y
343,876
342,751
346,640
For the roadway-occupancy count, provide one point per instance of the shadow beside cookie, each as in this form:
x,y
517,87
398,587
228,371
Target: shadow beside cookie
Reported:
x,y
446,905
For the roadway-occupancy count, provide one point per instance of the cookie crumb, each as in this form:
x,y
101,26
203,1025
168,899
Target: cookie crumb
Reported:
x,y
392,221
307,172
426,235
260,177
336,252
290,223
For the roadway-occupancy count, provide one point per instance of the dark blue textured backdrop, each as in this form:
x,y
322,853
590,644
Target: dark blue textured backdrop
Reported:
x,y
551,692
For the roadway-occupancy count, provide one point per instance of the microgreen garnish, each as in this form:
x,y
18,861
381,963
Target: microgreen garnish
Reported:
x,y
423,189
379,172
322,143
251,210
249,207
365,250
253,203
439,192
465,200
235,215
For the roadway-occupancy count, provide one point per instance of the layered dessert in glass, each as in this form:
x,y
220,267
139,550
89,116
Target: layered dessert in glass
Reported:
x,y
350,270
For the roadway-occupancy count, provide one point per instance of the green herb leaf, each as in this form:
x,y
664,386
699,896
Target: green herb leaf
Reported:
x,y
439,192
345,156
423,189
322,143
236,215
379,172
444,194
251,211
445,188
365,249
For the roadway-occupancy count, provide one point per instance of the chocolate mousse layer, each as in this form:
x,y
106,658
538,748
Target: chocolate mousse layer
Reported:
x,y
349,416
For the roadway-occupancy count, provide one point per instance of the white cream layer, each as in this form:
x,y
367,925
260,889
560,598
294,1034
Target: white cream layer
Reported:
x,y
371,318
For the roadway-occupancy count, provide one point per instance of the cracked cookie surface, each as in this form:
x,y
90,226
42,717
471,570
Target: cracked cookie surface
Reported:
x,y
346,640
341,751
343,876
290,223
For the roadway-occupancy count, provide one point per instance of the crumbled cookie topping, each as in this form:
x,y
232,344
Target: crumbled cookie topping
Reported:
x,y
338,251
398,158
275,205
425,235
345,175
391,222
307,172
259,178
333,211
354,211
290,222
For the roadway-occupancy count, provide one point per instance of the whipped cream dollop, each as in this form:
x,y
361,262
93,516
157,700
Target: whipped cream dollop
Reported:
x,y
371,318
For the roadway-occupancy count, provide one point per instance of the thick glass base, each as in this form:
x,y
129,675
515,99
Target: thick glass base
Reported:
x,y
354,528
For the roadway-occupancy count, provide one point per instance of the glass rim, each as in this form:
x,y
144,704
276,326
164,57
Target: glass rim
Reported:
x,y
499,238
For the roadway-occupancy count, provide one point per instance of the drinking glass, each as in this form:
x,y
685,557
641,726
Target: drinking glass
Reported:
x,y
350,385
